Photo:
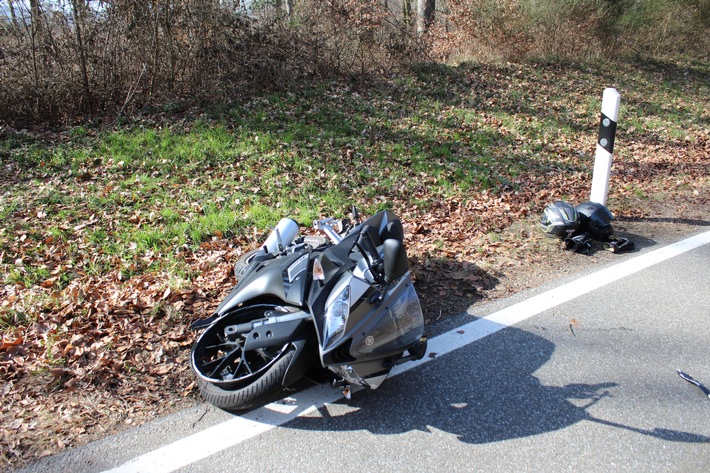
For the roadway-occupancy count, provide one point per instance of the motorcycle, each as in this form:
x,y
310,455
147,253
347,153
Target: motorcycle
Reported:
x,y
342,305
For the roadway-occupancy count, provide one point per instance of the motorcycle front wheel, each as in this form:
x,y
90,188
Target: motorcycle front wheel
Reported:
x,y
231,377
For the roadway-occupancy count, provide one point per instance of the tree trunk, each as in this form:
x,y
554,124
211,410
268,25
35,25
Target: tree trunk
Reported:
x,y
82,56
287,7
425,15
13,18
156,50
35,34
167,28
407,12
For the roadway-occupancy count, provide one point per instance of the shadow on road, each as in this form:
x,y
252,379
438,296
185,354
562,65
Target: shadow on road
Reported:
x,y
478,396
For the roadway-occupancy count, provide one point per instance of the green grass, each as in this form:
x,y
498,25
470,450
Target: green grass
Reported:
x,y
106,198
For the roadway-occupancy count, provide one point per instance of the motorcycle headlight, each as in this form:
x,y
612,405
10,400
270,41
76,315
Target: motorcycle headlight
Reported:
x,y
336,315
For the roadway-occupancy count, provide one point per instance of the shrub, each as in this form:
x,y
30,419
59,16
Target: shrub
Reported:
x,y
118,57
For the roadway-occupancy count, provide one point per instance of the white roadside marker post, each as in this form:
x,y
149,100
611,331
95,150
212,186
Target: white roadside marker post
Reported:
x,y
605,146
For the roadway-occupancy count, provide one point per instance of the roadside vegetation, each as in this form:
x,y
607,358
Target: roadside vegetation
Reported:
x,y
120,219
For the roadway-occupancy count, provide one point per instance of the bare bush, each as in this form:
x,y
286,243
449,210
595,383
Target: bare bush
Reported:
x,y
66,59
659,28
482,29
63,60
572,29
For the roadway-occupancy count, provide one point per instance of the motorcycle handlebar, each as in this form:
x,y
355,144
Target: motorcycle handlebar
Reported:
x,y
326,225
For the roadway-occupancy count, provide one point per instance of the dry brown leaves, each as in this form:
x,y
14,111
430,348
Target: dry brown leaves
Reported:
x,y
123,346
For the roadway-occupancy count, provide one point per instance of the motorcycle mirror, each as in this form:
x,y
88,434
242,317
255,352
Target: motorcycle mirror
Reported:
x,y
396,263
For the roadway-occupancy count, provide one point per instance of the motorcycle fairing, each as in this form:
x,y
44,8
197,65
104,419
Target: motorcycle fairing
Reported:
x,y
386,223
282,278
372,345
376,328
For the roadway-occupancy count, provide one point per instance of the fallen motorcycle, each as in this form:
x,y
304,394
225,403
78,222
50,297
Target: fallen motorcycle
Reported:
x,y
343,305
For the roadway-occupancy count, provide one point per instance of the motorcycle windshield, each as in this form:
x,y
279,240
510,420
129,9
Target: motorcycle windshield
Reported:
x,y
400,324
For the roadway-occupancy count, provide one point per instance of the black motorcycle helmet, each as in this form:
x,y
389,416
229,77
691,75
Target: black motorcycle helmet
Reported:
x,y
559,219
595,219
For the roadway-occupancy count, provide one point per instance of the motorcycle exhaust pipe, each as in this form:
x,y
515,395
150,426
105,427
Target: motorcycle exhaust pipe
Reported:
x,y
281,236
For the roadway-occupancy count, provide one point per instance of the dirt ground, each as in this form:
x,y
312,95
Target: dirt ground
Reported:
x,y
671,225
533,259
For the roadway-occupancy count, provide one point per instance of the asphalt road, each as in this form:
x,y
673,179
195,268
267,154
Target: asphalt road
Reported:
x,y
576,376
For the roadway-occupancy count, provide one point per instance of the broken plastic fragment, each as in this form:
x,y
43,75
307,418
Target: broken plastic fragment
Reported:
x,y
691,380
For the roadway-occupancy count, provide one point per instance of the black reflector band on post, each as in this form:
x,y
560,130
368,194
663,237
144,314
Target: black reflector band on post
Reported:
x,y
607,133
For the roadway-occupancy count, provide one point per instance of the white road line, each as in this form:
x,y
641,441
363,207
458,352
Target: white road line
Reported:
x,y
238,429
516,313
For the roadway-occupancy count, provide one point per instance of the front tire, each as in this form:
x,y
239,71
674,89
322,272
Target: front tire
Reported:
x,y
260,390
230,376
